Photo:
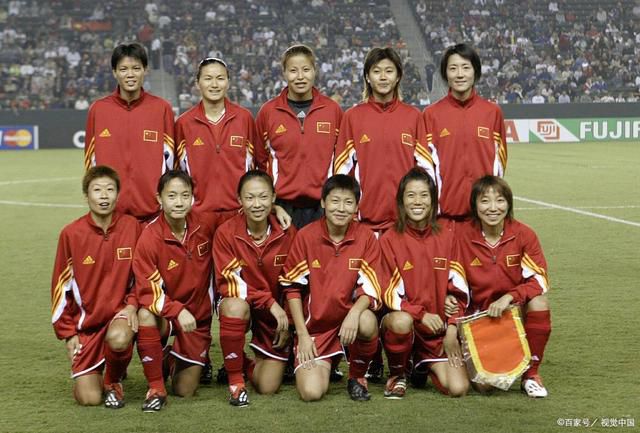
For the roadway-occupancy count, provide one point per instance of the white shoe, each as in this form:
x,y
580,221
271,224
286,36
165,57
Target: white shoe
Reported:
x,y
533,387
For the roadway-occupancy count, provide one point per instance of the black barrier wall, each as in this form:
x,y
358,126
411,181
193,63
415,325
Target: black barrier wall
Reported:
x,y
65,128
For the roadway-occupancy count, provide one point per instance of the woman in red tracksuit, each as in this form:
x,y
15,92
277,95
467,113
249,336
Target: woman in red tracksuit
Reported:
x,y
249,252
505,265
298,130
420,258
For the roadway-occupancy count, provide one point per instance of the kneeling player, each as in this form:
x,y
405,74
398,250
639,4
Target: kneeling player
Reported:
x,y
418,256
249,252
173,270
331,284
93,308
505,265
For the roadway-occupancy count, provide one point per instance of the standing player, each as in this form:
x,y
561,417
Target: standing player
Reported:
x,y
504,264
331,283
421,261
173,270
298,130
379,139
249,252
466,131
93,309
132,131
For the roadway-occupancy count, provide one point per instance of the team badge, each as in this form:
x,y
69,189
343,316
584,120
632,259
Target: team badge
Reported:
x,y
440,263
444,133
279,259
407,266
407,139
198,142
105,133
236,141
355,264
172,265
513,260
315,264
323,127
203,248
124,253
364,139
149,135
483,132
281,129
88,261
476,262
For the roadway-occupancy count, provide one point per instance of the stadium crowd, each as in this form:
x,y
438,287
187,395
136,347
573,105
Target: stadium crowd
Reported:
x,y
543,52
53,53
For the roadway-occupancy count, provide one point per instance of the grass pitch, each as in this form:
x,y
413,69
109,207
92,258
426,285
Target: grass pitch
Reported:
x,y
591,367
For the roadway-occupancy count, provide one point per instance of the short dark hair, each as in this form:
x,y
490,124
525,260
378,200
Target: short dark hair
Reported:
x,y
296,50
466,52
341,181
99,171
255,174
374,56
484,184
133,50
419,174
208,61
174,174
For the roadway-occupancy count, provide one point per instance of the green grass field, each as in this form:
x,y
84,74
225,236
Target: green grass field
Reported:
x,y
591,369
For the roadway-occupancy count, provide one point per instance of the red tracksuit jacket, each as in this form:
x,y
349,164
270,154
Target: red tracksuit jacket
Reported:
x,y
516,265
298,157
469,142
92,276
216,156
378,146
137,141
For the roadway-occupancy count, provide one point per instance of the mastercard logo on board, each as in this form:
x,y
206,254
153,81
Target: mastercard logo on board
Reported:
x,y
16,138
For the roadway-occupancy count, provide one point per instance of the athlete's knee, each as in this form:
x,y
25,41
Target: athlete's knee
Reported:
x,y
87,396
309,393
146,317
398,322
539,303
119,338
458,388
267,386
368,326
235,307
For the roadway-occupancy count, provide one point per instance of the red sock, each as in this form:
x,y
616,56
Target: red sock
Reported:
x,y
360,354
150,352
398,349
537,325
232,332
116,363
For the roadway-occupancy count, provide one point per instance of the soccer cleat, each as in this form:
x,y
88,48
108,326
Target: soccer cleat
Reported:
x,y
358,390
419,378
238,396
336,375
114,396
533,387
206,376
396,388
222,378
154,401
375,372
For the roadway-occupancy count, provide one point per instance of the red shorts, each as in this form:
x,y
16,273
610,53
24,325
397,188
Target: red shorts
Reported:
x,y
426,346
327,345
90,360
192,347
263,326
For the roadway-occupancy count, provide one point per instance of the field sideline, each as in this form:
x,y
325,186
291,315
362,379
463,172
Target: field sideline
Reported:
x,y
583,200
